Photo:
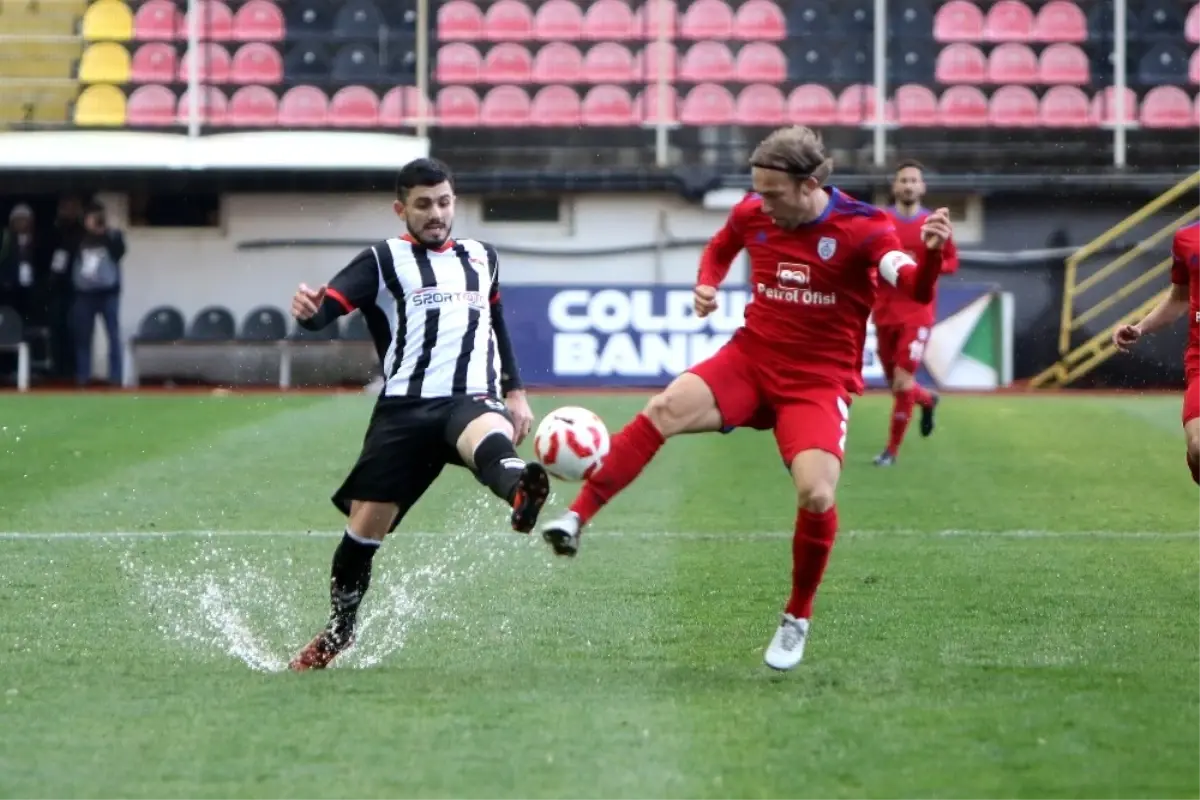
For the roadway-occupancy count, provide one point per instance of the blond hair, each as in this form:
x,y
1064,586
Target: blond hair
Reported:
x,y
796,150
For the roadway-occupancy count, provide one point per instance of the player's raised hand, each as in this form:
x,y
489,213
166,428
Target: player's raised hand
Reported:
x,y
522,415
705,300
306,302
1125,336
937,229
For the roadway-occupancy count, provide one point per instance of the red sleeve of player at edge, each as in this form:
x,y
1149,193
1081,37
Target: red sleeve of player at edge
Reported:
x,y
1179,259
724,246
914,280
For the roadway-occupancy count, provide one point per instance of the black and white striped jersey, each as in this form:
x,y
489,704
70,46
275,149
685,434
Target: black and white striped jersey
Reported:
x,y
434,315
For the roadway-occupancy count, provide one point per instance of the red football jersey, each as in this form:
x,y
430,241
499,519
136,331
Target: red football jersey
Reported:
x,y
1185,271
892,306
812,287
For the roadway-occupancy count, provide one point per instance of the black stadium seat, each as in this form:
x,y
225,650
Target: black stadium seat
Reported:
x,y
264,324
358,19
162,324
356,63
212,324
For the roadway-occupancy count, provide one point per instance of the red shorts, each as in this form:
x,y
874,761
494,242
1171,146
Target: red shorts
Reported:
x,y
901,346
1191,400
750,394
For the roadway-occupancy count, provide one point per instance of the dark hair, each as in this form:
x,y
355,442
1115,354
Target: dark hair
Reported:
x,y
907,164
421,172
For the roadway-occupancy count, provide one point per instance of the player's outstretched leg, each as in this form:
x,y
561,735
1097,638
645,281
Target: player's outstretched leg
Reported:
x,y
907,394
486,446
927,401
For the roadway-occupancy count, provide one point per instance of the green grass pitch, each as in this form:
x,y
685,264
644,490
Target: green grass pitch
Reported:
x,y
1010,611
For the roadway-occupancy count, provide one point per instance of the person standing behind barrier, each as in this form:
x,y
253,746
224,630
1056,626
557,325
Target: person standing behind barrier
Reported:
x,y
96,277
68,231
18,262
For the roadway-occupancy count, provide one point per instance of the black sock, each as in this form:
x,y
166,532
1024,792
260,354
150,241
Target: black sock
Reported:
x,y
498,466
350,576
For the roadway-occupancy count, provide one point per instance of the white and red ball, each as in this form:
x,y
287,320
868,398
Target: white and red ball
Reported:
x,y
571,443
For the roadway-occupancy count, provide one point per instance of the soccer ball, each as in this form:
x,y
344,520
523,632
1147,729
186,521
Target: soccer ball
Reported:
x,y
571,443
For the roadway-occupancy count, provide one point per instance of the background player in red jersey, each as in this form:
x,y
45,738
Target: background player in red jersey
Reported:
x,y
794,364
1184,298
902,324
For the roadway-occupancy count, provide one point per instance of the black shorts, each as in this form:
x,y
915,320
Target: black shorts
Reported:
x,y
409,440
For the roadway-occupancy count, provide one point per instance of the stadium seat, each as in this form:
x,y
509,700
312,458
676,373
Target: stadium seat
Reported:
x,y
963,107
608,19
107,21
1009,21
646,107
760,104
557,21
330,333
1166,107
1060,21
961,63
156,20
354,107
856,106
1159,20
508,21
707,61
264,324
916,106
258,21
658,61
303,107
1163,64
356,63
656,18
360,20
151,106
507,63
1191,28
457,106
812,105
214,64
354,328
853,19
852,64
559,61
958,21
759,21
104,62
401,17
1013,107
809,22
213,108
458,62
308,19
505,107
161,325
1065,107
1194,67
459,20
607,106
1064,63
256,62
215,20
761,62
1104,106
707,104
707,19
403,105
810,61
253,107
154,62
912,64
212,324
555,107
306,62
401,66
910,20
610,62
101,105
1012,63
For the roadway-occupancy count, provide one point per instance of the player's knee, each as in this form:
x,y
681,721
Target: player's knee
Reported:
x,y
816,496
902,381
668,412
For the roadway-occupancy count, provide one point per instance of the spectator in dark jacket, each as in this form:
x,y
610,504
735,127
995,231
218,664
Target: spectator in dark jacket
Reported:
x,y
19,262
96,277
60,290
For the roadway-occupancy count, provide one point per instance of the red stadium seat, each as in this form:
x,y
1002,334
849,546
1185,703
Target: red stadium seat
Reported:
x,y
761,62
156,20
150,106
1194,67
1064,63
559,61
1065,107
856,106
403,105
1012,63
656,18
259,21
650,64
1009,21
505,107
457,106
556,107
963,107
607,106
458,62
812,105
508,21
1104,106
1166,107
760,104
759,21
706,61
459,20
216,22
961,63
153,63
213,106
916,106
610,62
253,107
1013,107
354,107
608,19
707,104
558,20
214,64
1060,21
958,21
256,62
646,106
1191,28
303,107
707,19
507,63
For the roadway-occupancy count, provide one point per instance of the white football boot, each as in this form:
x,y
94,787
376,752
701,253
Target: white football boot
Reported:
x,y
787,645
563,534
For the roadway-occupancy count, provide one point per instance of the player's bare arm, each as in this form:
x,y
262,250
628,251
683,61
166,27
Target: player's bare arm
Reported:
x,y
1169,309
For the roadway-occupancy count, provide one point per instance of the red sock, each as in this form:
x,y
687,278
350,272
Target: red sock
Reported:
x,y
921,396
811,545
902,408
628,454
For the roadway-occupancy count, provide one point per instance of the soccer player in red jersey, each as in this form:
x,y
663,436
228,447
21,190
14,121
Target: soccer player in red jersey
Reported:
x,y
1184,298
794,365
902,324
